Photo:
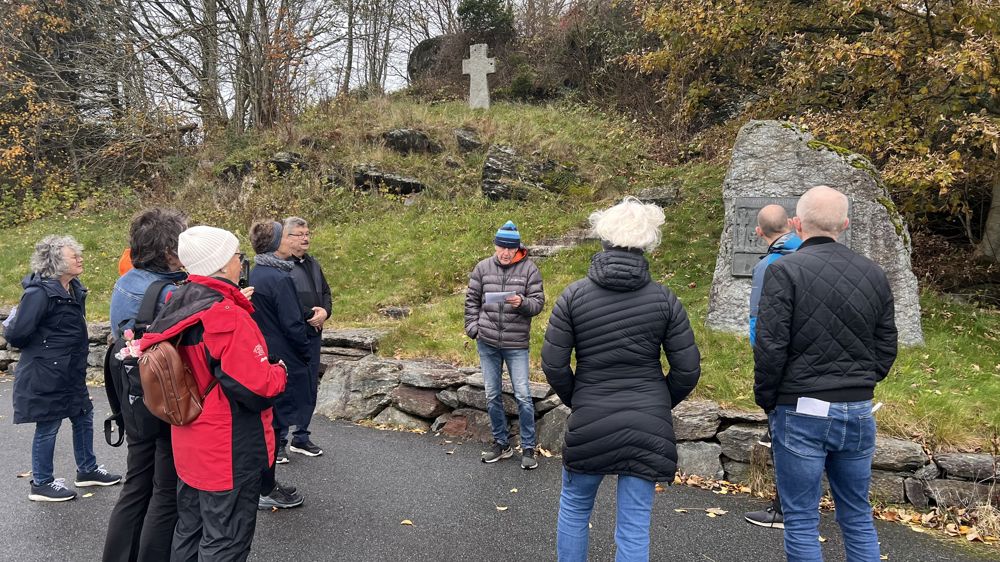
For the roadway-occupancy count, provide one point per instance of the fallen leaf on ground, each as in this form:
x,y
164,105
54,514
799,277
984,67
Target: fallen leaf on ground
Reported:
x,y
884,557
681,510
502,508
822,538
451,452
714,511
24,474
513,490
659,488
406,522
87,495
545,452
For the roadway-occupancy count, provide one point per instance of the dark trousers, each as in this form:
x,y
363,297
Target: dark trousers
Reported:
x,y
141,526
215,526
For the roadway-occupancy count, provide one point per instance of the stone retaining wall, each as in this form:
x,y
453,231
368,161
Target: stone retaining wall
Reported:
x,y
712,441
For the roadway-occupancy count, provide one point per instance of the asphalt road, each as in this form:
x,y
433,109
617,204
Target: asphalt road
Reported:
x,y
369,481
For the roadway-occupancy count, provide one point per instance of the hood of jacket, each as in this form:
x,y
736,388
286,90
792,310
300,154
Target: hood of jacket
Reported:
x,y
188,304
619,270
52,286
785,244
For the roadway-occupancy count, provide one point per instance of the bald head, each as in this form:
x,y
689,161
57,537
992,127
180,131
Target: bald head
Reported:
x,y
821,211
772,222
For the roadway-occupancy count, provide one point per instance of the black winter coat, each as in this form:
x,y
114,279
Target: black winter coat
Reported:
x,y
50,382
279,316
617,319
826,327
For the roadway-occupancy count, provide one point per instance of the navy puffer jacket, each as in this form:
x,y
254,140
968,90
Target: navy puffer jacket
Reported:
x,y
50,382
617,320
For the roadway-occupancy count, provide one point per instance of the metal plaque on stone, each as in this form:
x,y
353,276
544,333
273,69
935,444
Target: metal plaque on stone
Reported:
x,y
748,248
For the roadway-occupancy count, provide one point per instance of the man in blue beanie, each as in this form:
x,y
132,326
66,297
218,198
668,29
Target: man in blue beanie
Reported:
x,y
505,291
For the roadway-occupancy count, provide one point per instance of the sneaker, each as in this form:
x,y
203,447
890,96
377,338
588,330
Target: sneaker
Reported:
x,y
282,455
55,491
497,452
97,477
308,449
528,461
766,518
280,498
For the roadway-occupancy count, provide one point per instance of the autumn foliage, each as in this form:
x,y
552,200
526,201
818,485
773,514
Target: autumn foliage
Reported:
x,y
912,84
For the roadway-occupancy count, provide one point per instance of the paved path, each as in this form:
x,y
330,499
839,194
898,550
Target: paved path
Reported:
x,y
369,481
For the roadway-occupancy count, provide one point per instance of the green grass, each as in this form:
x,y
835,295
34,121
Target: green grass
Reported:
x,y
378,252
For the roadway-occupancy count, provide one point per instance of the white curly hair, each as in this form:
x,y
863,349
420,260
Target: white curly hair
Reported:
x,y
48,260
629,224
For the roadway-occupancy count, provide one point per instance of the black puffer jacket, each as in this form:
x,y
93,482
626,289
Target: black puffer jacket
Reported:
x,y
500,324
826,327
617,319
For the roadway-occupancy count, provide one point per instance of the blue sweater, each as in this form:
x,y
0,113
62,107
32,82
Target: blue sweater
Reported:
x,y
784,245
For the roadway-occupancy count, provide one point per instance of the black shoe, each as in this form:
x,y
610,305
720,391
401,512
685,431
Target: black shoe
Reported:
x,y
97,477
497,452
766,518
308,449
282,456
55,491
528,461
280,498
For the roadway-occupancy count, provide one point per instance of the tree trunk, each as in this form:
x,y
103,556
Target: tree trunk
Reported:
x,y
989,247
346,87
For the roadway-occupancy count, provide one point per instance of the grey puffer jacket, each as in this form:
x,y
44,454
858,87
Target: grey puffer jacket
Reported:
x,y
500,324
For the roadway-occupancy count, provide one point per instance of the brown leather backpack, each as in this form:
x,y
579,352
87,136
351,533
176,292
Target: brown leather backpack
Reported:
x,y
169,389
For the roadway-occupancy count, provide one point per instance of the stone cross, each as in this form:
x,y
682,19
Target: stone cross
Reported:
x,y
477,66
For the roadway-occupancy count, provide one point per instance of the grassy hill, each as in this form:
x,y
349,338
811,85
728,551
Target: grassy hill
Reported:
x,y
378,251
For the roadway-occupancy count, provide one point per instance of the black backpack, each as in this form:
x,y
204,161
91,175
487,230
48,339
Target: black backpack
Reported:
x,y
122,384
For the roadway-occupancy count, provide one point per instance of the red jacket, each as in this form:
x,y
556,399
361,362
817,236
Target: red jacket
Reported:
x,y
232,440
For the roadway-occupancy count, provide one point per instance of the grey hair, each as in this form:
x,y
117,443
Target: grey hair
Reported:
x,y
293,222
629,224
48,261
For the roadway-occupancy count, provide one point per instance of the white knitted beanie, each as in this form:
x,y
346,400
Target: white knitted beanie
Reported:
x,y
204,250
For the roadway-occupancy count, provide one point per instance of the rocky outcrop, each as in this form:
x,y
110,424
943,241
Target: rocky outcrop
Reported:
x,y
468,140
663,196
410,141
551,428
739,440
368,177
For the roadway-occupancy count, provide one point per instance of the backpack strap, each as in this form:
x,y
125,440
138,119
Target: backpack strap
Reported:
x,y
147,310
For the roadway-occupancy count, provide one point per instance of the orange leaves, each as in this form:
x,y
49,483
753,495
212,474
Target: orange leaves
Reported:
x,y
980,524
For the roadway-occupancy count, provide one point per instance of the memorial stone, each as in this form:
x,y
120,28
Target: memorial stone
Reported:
x,y
776,162
477,66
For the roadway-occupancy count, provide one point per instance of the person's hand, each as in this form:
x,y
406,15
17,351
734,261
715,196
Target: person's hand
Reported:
x,y
514,300
319,316
247,292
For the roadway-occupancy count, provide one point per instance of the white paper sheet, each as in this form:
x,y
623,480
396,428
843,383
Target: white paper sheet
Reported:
x,y
812,407
491,298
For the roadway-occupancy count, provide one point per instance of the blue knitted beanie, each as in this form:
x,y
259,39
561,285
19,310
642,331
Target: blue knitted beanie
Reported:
x,y
508,236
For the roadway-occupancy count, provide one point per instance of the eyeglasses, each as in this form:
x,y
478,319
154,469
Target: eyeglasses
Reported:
x,y
300,234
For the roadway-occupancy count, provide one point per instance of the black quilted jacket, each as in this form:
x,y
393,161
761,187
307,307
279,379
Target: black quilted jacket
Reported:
x,y
617,320
826,327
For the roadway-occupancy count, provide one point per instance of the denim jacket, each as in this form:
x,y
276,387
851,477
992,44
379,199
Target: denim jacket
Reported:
x,y
127,295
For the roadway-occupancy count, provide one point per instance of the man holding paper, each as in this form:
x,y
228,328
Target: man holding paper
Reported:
x,y
505,291
826,335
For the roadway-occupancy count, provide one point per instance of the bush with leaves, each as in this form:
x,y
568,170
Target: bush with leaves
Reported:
x,y
915,85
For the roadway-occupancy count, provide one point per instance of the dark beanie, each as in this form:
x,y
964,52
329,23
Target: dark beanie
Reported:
x,y
508,236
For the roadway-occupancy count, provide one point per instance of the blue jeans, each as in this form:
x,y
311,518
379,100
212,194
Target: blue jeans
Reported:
x,y
491,359
843,444
43,446
635,504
